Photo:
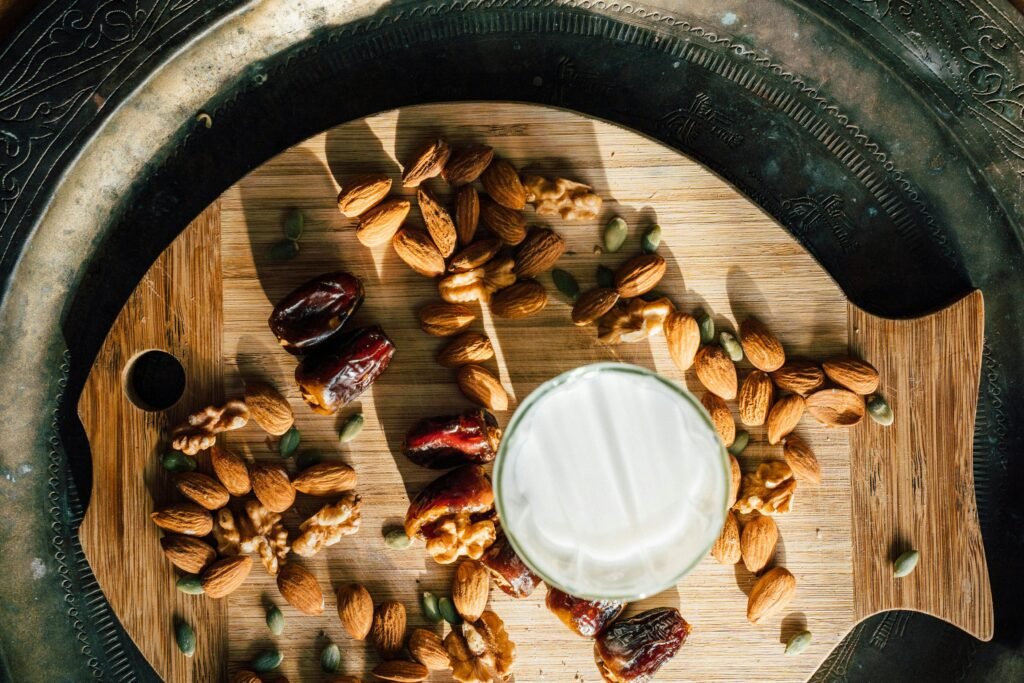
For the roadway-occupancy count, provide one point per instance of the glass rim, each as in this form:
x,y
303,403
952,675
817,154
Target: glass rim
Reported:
x,y
554,383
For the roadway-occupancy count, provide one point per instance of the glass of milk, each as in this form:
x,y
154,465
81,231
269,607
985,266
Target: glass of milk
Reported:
x,y
611,482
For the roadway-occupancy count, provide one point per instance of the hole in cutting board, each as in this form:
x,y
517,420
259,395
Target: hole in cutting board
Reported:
x,y
154,380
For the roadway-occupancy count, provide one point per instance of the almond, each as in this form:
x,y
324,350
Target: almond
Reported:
x,y
326,479
475,255
716,371
183,518
388,628
223,576
501,181
272,487
727,546
467,213
721,417
760,346
639,275
755,398
355,609
268,408
301,589
187,553
507,224
401,671
418,251
443,319
683,336
438,221
770,595
244,676
836,407
799,376
470,589
427,648
784,416
479,385
466,164
362,193
379,224
735,476
539,252
801,459
468,347
202,489
854,374
426,163
757,543
522,299
231,470
591,305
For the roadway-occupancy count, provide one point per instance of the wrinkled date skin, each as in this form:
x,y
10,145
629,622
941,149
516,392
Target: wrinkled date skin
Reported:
x,y
465,491
315,311
338,372
452,440
632,650
508,569
584,617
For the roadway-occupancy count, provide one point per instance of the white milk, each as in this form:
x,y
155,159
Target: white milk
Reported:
x,y
611,482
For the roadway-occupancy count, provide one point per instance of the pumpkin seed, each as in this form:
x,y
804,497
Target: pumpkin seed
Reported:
x,y
566,283
651,240
430,610
294,224
176,461
739,442
289,442
798,642
330,659
285,250
615,234
731,346
185,637
605,277
275,620
190,584
396,538
447,609
879,410
351,428
905,563
268,660
707,327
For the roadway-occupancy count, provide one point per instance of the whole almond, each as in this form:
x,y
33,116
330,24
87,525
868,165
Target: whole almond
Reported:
x,y
362,193
427,162
801,459
727,546
639,275
757,542
735,476
355,609
466,164
438,221
223,576
467,213
593,304
183,518
501,181
721,417
272,487
755,398
683,335
770,595
268,408
401,671
427,648
301,589
325,479
836,407
857,375
443,319
379,224
475,255
507,224
539,252
479,385
784,416
761,347
388,628
202,489
522,299
188,553
231,470
245,676
716,371
470,589
799,376
468,347
419,252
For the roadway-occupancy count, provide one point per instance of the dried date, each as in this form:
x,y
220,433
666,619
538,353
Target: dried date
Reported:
x,y
315,311
632,650
509,571
338,372
452,440
586,618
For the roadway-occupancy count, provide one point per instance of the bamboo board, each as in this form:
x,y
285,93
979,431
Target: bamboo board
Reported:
x,y
724,254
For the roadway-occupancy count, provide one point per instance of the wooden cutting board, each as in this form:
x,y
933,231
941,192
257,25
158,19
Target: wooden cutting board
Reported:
x,y
207,298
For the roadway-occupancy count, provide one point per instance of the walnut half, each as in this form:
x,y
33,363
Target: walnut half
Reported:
x,y
328,526
263,533
634,321
199,430
560,197
478,284
459,535
482,651
768,490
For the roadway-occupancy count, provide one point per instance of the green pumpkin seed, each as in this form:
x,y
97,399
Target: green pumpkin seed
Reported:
x,y
185,637
294,224
739,442
190,584
330,659
905,563
396,538
879,410
447,609
798,642
605,277
651,240
268,660
307,459
350,430
428,602
289,442
707,327
731,346
285,250
176,461
566,283
275,620
615,234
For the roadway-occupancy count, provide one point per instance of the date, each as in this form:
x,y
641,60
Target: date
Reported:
x,y
315,311
336,373
449,441
509,571
586,618
632,650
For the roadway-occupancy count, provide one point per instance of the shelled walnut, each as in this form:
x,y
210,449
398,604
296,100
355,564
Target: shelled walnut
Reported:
x,y
225,532
460,535
634,320
561,197
200,429
478,284
328,526
768,490
481,652
262,533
